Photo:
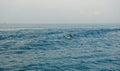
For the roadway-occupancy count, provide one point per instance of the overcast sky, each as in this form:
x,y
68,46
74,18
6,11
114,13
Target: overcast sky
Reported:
x,y
60,11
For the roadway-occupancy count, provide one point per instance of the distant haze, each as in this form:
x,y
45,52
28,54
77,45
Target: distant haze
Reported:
x,y
60,11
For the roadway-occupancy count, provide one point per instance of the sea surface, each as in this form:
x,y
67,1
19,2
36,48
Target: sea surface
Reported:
x,y
35,47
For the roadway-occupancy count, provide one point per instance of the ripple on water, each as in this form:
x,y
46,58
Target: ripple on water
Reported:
x,y
49,50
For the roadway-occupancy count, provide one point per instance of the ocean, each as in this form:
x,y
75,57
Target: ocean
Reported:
x,y
37,47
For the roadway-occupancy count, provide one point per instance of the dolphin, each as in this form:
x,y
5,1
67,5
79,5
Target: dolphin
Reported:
x,y
69,36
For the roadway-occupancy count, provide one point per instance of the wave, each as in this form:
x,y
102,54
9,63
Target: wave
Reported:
x,y
95,33
48,49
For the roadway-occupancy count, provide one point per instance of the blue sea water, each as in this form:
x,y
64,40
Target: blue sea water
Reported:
x,y
34,47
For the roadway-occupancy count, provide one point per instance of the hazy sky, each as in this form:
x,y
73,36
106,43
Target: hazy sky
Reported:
x,y
60,11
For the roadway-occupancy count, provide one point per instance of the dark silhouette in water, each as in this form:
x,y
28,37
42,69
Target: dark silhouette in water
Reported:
x,y
69,36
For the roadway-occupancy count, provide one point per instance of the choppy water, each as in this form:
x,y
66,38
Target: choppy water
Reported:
x,y
91,49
